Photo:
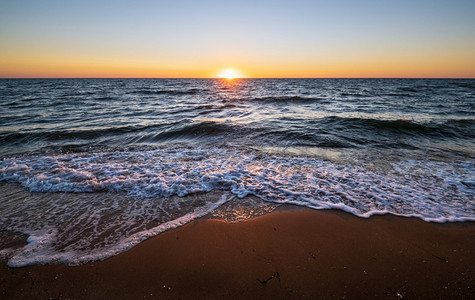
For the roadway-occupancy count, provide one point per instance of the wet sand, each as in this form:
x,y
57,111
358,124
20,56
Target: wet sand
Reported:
x,y
288,254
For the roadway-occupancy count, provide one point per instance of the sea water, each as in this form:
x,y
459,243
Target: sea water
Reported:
x,y
91,167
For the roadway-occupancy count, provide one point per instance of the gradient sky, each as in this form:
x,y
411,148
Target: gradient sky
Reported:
x,y
300,38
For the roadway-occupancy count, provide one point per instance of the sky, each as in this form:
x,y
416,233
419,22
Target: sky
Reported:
x,y
257,38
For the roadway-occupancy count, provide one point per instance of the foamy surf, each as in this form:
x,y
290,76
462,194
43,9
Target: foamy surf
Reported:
x,y
89,206
73,228
432,190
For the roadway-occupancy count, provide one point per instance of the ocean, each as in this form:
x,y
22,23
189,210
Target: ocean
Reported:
x,y
91,167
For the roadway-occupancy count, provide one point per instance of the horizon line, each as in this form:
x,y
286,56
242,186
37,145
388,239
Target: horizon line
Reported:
x,y
237,78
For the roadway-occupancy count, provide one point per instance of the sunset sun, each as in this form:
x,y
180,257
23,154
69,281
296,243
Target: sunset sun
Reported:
x,y
229,74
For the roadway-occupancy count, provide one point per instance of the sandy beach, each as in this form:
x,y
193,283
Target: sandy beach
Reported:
x,y
288,254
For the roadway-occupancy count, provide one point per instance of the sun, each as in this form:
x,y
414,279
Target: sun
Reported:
x,y
229,74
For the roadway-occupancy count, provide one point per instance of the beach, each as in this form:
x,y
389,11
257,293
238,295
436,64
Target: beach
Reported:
x,y
291,253
237,150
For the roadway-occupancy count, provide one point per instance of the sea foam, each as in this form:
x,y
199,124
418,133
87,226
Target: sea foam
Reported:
x,y
87,206
431,190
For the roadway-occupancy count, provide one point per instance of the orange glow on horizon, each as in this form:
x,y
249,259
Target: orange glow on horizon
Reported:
x,y
72,65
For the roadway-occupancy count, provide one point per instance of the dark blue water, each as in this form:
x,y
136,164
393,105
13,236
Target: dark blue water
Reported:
x,y
433,117
152,154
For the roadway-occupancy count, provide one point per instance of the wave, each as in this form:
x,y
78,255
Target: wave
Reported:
x,y
283,99
448,128
58,135
184,129
195,130
181,171
82,134
327,132
307,138
466,84
408,89
166,92
359,95
139,193
340,132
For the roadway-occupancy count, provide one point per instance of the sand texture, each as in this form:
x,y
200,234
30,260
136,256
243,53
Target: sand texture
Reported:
x,y
288,254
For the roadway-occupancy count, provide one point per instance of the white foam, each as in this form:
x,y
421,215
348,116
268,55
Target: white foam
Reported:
x,y
408,189
432,191
41,244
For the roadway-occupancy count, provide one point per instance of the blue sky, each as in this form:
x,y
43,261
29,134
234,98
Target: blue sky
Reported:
x,y
259,37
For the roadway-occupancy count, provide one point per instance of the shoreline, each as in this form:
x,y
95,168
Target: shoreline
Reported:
x,y
291,253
